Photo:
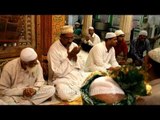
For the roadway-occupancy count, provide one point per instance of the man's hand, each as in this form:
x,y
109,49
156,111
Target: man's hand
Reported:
x,y
29,92
139,100
87,37
73,54
116,69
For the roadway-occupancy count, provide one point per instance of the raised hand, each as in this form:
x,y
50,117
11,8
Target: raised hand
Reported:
x,y
73,54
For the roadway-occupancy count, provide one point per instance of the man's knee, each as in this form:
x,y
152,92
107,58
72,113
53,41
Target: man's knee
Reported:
x,y
2,102
50,90
64,92
8,100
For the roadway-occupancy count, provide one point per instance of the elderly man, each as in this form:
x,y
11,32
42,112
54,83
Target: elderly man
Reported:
x,y
121,48
138,46
64,69
102,56
22,81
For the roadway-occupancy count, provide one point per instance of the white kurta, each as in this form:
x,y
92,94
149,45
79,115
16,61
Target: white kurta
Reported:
x,y
94,40
14,79
66,75
100,58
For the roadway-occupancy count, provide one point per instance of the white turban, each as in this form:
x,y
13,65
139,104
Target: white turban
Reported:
x,y
119,32
28,54
66,29
91,28
110,35
155,54
104,85
143,32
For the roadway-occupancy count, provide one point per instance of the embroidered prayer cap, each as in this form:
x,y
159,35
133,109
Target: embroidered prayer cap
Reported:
x,y
155,54
28,54
119,32
143,32
67,29
104,85
110,35
91,28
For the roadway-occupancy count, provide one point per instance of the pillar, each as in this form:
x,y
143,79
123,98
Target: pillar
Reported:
x,y
87,22
126,25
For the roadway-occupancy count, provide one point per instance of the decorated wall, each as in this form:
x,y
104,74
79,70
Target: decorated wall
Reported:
x,y
57,22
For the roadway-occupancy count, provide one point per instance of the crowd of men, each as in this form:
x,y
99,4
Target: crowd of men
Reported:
x,y
22,81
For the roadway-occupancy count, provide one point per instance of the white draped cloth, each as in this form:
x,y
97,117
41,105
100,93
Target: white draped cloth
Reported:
x,y
14,79
104,85
100,59
64,74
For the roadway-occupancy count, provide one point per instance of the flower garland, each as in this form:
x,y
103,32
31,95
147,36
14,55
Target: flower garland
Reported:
x,y
131,79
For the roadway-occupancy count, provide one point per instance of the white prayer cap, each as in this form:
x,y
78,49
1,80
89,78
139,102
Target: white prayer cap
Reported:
x,y
104,85
28,54
143,32
155,54
91,28
119,32
67,29
110,35
77,23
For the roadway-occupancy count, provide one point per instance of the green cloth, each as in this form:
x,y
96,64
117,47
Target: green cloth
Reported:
x,y
77,31
132,84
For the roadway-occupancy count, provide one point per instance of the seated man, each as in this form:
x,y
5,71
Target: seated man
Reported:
x,y
152,66
22,80
64,68
121,48
102,56
138,47
77,29
90,40
77,33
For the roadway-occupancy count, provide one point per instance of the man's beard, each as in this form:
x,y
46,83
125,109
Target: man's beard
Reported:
x,y
32,70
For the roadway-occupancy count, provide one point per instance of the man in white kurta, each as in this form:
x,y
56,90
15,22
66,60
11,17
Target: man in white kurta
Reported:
x,y
16,82
64,71
102,56
92,39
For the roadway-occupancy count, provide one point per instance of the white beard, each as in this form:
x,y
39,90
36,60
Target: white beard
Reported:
x,y
32,71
